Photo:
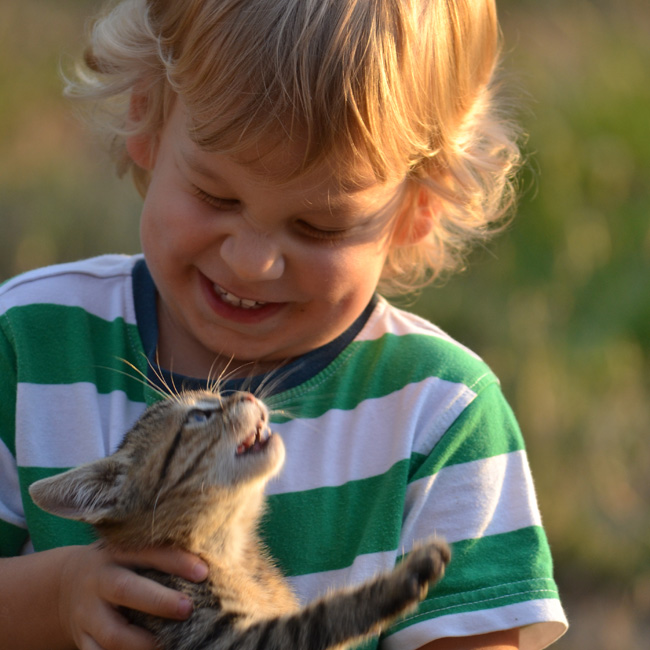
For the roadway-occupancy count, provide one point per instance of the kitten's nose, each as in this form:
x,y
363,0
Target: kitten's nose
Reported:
x,y
243,396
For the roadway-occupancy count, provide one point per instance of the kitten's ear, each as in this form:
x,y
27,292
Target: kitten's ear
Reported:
x,y
88,493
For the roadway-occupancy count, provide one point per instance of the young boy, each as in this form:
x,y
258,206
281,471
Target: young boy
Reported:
x,y
296,159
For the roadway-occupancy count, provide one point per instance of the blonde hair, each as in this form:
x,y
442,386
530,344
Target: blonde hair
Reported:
x,y
405,85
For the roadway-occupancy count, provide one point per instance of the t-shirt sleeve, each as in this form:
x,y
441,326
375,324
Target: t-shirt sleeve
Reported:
x,y
474,489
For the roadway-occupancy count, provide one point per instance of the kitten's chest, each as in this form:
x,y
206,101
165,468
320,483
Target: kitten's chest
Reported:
x,y
258,589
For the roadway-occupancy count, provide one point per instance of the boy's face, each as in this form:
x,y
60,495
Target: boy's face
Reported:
x,y
250,269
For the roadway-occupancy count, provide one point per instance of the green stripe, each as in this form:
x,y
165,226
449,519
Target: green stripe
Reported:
x,y
372,510
12,539
486,428
75,346
518,565
366,515
7,388
373,369
48,531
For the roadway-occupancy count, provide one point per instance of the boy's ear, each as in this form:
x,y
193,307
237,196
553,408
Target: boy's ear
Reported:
x,y
141,147
87,493
416,220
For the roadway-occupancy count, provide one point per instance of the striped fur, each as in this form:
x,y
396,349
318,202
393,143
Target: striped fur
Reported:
x,y
191,473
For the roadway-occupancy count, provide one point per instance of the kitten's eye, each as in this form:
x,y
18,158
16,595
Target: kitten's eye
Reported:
x,y
198,416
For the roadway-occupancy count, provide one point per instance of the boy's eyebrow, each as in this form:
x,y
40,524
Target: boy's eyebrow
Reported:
x,y
196,165
194,162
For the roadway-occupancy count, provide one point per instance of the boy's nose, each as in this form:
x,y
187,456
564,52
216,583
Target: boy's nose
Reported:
x,y
252,256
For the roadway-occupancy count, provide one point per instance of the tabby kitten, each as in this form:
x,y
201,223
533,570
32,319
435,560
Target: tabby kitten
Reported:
x,y
191,473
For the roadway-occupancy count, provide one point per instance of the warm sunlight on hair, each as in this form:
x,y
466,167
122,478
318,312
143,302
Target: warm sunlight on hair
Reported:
x,y
405,87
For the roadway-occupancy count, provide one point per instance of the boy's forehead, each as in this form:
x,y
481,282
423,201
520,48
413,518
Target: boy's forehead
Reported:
x,y
276,168
277,159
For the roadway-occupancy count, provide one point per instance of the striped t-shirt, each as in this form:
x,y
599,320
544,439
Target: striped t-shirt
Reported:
x,y
400,433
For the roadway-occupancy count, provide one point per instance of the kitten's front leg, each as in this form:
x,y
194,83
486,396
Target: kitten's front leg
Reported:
x,y
350,615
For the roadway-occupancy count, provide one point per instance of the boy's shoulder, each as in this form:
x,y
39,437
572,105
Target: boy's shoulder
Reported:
x,y
85,283
399,341
101,267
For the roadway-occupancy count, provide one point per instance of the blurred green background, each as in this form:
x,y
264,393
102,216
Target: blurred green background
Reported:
x,y
559,304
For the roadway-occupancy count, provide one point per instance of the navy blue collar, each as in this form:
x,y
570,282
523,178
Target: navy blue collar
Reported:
x,y
288,376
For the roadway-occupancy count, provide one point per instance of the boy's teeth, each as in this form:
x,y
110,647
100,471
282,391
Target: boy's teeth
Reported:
x,y
231,299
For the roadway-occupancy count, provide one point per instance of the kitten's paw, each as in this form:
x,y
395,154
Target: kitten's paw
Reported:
x,y
425,565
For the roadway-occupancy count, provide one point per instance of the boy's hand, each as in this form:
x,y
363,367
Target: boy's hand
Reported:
x,y
96,580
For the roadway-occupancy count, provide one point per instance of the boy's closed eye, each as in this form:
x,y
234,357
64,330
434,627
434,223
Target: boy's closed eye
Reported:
x,y
217,202
319,233
302,227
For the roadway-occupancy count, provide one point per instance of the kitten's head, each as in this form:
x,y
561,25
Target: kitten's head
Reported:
x,y
182,452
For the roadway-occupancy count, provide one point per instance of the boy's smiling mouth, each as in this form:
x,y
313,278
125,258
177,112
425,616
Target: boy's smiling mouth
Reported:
x,y
235,301
232,307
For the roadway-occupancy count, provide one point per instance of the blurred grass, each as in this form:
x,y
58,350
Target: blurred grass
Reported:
x,y
59,199
559,305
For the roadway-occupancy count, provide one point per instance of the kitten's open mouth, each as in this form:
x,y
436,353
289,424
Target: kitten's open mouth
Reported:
x,y
256,441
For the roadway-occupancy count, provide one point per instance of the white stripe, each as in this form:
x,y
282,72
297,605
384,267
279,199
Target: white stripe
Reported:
x,y
66,425
76,285
364,567
494,495
28,547
11,505
542,622
371,438
387,319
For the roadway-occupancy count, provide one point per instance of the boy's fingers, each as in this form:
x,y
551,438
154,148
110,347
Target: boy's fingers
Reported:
x,y
88,643
168,560
123,588
126,637
112,632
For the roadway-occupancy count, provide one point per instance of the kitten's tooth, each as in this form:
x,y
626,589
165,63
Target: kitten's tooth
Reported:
x,y
246,444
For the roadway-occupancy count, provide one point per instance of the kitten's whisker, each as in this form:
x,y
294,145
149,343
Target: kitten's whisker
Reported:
x,y
143,379
177,393
158,373
223,376
153,515
248,381
213,384
272,380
